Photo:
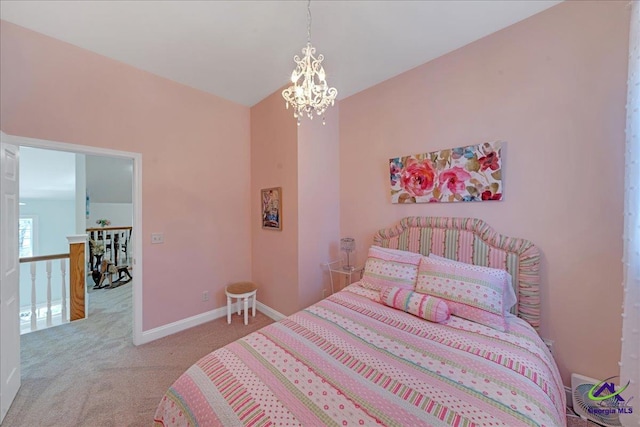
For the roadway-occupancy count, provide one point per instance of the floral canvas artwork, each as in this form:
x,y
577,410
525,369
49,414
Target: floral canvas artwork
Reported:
x,y
462,174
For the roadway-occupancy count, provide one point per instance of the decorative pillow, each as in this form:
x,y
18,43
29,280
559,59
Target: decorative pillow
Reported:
x,y
384,268
509,297
424,306
469,292
395,251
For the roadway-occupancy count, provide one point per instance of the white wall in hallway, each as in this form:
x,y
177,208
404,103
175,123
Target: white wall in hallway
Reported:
x,y
81,194
55,221
120,214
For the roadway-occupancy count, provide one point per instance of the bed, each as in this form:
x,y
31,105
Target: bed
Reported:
x,y
351,359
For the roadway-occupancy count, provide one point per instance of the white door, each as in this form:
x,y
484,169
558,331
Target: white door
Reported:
x,y
9,277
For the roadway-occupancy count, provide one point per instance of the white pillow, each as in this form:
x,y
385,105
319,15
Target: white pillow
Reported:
x,y
470,291
390,267
509,298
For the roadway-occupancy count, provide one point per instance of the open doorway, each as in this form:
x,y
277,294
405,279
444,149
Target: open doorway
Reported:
x,y
97,156
63,194
10,349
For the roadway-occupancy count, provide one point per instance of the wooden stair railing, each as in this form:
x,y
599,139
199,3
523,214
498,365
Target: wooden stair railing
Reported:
x,y
77,280
48,268
77,276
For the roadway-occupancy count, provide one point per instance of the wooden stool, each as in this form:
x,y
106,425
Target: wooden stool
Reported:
x,y
244,291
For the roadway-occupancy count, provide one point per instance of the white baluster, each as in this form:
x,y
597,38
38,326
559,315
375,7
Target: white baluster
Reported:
x,y
34,319
48,292
63,271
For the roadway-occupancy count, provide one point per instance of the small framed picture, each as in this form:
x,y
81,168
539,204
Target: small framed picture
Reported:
x,y
271,201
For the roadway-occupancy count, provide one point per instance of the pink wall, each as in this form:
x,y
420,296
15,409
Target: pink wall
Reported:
x,y
274,163
319,204
193,144
303,160
552,86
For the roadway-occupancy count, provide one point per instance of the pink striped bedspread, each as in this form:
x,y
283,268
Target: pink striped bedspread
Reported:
x,y
351,361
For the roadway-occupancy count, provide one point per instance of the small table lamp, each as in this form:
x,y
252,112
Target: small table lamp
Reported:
x,y
348,245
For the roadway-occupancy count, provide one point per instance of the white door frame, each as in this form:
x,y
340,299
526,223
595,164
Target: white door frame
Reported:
x,y
10,377
137,209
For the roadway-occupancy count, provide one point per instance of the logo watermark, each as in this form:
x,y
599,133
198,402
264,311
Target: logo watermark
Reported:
x,y
604,399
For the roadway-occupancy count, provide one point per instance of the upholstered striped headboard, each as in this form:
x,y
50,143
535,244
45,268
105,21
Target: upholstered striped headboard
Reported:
x,y
473,241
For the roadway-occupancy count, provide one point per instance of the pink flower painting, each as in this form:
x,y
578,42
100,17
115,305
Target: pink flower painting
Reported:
x,y
417,177
454,179
461,174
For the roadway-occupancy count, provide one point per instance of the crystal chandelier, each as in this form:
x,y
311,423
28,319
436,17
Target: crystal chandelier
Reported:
x,y
309,94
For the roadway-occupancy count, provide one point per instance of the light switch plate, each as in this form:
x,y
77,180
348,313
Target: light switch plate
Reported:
x,y
157,238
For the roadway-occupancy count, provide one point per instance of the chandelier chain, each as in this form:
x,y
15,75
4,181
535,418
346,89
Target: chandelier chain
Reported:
x,y
309,21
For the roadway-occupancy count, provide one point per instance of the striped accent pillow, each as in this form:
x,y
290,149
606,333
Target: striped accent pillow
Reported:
x,y
384,268
469,292
424,306
509,296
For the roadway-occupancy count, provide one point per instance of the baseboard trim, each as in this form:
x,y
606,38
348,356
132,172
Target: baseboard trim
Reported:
x,y
199,319
275,315
181,325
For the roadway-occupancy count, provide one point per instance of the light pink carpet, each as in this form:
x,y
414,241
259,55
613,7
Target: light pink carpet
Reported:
x,y
573,421
88,373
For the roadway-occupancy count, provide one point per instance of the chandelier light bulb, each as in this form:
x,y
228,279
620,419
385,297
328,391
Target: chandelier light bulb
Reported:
x,y
309,94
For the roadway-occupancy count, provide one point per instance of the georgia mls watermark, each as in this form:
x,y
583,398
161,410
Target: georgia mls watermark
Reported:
x,y
604,399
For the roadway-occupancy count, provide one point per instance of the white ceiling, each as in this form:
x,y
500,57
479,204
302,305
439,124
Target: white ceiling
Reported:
x,y
243,50
51,175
